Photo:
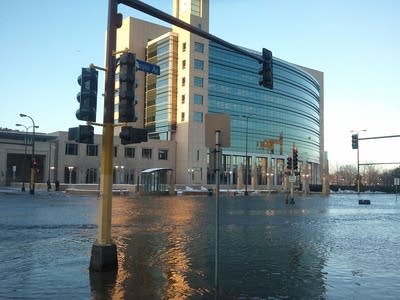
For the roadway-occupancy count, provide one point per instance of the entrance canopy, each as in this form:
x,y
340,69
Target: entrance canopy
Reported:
x,y
155,180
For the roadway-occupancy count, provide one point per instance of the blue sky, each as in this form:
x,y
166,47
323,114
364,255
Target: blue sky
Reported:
x,y
355,43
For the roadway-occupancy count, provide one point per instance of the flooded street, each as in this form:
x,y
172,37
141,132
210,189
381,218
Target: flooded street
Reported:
x,y
318,248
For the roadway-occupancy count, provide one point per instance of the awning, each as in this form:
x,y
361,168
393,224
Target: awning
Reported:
x,y
153,170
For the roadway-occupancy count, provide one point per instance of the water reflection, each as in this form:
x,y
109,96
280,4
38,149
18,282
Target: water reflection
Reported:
x,y
166,249
318,248
273,253
155,239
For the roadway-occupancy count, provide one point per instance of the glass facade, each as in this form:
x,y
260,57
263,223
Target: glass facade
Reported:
x,y
291,109
160,105
265,124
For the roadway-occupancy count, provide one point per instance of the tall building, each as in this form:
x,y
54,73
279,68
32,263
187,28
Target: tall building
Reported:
x,y
199,77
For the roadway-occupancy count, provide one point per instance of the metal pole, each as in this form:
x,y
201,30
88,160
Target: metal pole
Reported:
x,y
104,251
33,171
247,161
25,159
292,174
32,180
48,177
358,169
217,171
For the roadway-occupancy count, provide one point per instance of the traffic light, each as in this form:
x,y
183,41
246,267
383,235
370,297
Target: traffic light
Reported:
x,y
87,97
289,163
130,135
266,78
127,85
82,134
295,159
354,141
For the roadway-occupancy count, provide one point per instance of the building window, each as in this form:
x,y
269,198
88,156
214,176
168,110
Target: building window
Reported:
x,y
183,47
198,116
146,153
198,155
196,8
71,149
198,81
199,64
183,81
91,150
91,175
70,174
182,116
198,47
183,99
163,154
198,99
184,64
115,151
129,152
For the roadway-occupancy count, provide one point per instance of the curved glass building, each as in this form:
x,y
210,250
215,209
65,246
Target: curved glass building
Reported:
x,y
270,122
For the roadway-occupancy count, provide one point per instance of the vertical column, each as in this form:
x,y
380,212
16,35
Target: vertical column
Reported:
x,y
104,251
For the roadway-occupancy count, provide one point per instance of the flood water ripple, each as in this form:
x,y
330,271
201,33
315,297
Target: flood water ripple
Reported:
x,y
318,248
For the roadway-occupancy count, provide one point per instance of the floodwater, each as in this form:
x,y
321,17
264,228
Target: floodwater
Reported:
x,y
318,248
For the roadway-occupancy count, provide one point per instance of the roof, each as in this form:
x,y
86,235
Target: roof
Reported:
x,y
20,135
153,170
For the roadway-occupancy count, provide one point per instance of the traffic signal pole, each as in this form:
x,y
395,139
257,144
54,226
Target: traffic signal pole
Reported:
x,y
104,250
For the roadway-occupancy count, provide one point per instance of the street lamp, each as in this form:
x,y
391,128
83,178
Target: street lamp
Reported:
x,y
358,159
122,175
70,168
247,160
270,178
25,143
190,175
32,180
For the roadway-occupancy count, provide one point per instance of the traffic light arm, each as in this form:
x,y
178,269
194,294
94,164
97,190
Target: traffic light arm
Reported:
x,y
102,125
152,11
92,66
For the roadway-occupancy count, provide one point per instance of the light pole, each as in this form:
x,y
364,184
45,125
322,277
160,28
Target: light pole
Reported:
x,y
70,168
358,159
122,175
247,160
116,177
32,180
25,143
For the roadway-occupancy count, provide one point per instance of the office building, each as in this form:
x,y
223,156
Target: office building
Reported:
x,y
199,77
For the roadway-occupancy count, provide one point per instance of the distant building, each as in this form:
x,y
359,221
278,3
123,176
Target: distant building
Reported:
x,y
199,77
69,162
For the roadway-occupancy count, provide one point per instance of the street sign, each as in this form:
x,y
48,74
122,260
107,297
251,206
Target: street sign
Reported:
x,y
292,179
147,67
397,181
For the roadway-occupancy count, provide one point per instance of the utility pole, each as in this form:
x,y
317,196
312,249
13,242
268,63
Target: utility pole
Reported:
x,y
104,250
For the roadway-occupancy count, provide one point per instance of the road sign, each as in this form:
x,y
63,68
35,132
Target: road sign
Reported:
x,y
147,67
397,181
292,179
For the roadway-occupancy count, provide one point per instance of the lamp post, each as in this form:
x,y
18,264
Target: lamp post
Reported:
x,y
122,175
270,178
190,175
358,159
25,143
247,160
52,176
50,167
116,174
32,179
70,168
